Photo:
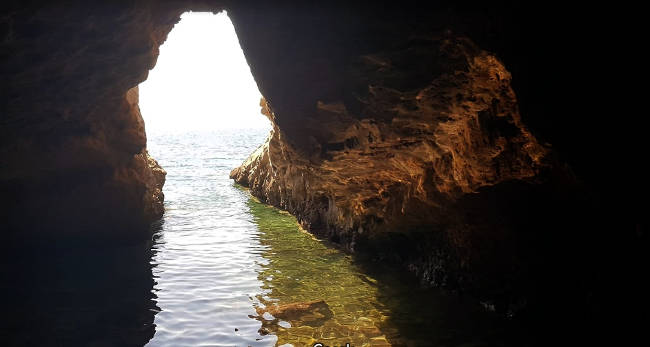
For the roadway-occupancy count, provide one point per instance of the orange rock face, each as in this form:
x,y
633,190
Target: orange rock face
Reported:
x,y
458,134
406,159
403,135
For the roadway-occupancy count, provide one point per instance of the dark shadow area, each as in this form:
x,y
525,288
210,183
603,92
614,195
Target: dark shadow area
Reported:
x,y
553,264
67,209
66,295
332,296
435,317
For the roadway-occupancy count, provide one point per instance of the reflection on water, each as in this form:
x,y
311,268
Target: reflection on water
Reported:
x,y
223,270
207,251
315,293
72,296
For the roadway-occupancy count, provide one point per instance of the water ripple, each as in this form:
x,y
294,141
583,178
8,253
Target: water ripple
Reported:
x,y
223,262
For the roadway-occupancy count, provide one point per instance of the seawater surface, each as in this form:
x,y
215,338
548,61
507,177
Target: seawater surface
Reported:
x,y
223,270
234,272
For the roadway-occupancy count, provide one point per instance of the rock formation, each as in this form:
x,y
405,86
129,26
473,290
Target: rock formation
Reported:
x,y
403,134
407,157
73,143
461,141
312,313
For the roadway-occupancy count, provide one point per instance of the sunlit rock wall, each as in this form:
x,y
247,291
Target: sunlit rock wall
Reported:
x,y
400,163
452,140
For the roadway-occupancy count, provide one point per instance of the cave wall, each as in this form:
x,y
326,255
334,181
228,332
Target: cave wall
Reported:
x,y
464,141
396,136
72,141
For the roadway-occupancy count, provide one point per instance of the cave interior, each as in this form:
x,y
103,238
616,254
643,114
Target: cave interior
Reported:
x,y
475,142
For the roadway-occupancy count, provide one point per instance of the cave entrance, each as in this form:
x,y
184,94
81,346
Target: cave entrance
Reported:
x,y
202,117
201,108
201,80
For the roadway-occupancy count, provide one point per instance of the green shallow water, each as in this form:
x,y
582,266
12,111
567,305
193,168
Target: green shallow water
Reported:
x,y
370,305
225,270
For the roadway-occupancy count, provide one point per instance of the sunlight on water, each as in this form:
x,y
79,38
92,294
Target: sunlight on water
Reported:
x,y
207,253
231,271
223,270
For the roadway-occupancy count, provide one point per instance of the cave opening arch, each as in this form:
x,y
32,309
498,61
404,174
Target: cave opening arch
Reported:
x,y
201,80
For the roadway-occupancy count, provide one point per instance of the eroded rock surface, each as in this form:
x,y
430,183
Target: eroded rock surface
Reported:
x,y
72,140
401,163
397,133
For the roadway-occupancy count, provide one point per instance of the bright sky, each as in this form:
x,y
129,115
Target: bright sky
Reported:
x,y
201,80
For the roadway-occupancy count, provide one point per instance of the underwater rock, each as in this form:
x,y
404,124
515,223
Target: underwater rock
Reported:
x,y
294,315
311,313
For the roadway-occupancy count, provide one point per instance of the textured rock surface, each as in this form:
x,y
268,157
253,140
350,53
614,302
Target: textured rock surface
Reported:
x,y
386,146
402,163
398,133
72,141
409,152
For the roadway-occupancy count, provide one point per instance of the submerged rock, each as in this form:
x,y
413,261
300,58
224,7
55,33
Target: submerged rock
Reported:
x,y
311,313
72,141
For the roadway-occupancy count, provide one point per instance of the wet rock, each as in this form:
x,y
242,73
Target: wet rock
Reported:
x,y
300,318
264,331
370,331
312,313
389,178
423,138
379,341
